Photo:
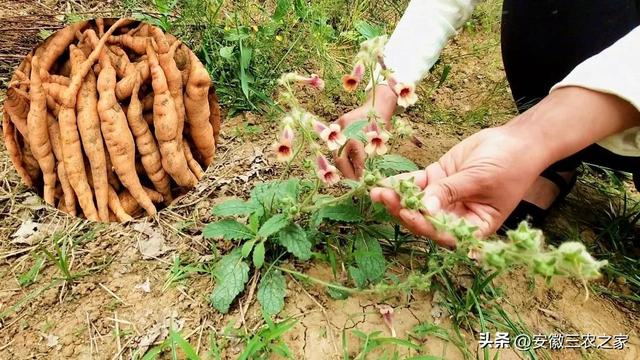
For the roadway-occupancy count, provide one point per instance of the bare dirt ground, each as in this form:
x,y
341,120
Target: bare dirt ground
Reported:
x,y
120,304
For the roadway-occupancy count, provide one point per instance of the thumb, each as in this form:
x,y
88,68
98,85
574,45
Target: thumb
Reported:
x,y
447,191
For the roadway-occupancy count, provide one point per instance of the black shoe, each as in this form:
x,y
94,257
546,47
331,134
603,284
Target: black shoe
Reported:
x,y
534,214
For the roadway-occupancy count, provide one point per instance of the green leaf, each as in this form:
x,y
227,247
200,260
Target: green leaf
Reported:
x,y
294,239
358,277
380,231
247,247
342,212
381,214
337,294
266,193
227,229
271,292
30,276
244,79
354,130
231,274
282,8
368,30
237,34
273,225
189,351
372,265
352,184
234,207
301,7
366,242
369,257
226,52
396,163
258,255
245,57
445,73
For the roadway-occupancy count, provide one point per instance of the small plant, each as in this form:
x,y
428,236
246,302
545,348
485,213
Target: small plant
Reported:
x,y
61,256
30,276
180,272
370,342
268,341
292,217
174,342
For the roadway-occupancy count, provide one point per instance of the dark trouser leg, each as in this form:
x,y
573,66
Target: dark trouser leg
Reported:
x,y
543,40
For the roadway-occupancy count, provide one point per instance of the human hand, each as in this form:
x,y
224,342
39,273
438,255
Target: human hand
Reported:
x,y
481,179
351,161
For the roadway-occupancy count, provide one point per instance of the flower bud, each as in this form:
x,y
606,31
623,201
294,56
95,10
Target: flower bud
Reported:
x,y
544,265
411,203
495,260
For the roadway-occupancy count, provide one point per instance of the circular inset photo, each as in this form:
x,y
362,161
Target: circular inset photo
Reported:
x,y
111,119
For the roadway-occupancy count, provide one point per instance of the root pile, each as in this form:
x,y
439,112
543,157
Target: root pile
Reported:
x,y
111,119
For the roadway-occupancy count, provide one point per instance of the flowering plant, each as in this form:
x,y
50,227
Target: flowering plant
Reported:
x,y
295,216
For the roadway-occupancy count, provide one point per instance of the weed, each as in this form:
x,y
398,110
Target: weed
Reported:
x,y
174,343
31,275
61,256
373,341
268,340
179,272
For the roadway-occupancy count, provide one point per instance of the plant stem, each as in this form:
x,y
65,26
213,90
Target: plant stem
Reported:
x,y
324,283
333,201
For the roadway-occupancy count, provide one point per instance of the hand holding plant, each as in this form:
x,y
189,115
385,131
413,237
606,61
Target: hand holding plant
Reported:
x,y
323,217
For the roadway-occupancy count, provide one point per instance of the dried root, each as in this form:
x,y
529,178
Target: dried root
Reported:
x,y
109,119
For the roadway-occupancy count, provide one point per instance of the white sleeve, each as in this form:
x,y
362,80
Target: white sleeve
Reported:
x,y
420,35
616,71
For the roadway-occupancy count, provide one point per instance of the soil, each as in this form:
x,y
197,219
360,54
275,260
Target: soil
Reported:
x,y
120,305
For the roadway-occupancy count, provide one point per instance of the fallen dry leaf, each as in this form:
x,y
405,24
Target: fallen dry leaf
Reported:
x,y
26,233
153,246
52,340
145,286
159,332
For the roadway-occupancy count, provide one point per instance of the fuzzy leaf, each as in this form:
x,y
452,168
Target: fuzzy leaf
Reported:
x,y
369,30
355,130
273,225
342,212
396,163
258,255
294,239
358,276
231,274
234,207
380,231
266,193
337,294
271,292
371,263
247,247
369,257
227,229
226,52
282,7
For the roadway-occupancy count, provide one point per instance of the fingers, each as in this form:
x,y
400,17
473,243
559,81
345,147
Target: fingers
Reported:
x,y
344,165
448,191
356,155
412,220
416,222
351,116
351,161
419,177
388,198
